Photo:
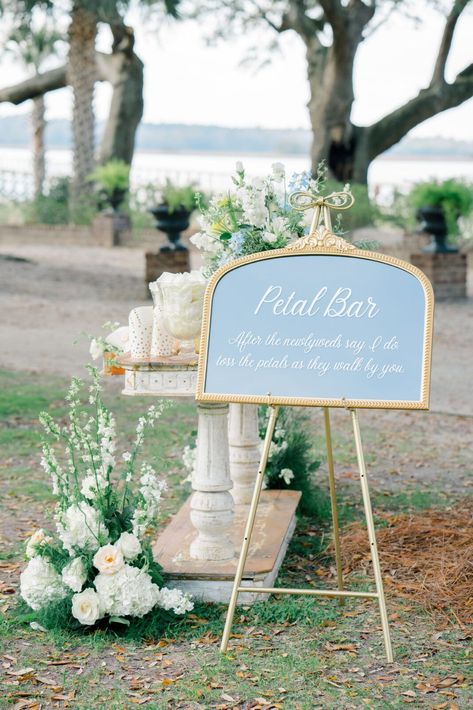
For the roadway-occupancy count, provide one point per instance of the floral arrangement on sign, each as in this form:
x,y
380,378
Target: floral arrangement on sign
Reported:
x,y
254,216
98,566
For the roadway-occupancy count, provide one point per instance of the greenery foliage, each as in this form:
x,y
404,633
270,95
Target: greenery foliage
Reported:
x,y
363,213
114,175
453,196
177,197
291,462
51,208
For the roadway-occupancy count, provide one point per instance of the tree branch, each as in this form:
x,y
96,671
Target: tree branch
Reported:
x,y
52,80
429,102
458,6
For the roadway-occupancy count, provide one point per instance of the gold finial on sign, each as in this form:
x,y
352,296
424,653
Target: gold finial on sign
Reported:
x,y
305,200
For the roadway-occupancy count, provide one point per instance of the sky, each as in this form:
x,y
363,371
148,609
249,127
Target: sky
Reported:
x,y
187,81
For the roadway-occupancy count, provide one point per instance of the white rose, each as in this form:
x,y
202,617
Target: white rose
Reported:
x,y
108,559
40,584
74,574
38,538
86,607
129,545
96,349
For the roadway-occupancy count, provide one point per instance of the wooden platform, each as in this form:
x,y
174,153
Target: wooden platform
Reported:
x,y
212,581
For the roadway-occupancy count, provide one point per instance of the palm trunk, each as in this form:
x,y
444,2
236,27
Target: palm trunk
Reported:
x,y
38,125
82,74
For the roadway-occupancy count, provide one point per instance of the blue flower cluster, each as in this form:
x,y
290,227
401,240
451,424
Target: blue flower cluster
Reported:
x,y
299,181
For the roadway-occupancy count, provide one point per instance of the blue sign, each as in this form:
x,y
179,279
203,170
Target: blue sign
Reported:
x,y
319,329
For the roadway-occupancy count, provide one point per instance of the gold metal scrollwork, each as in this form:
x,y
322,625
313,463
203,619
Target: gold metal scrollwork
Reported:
x,y
320,236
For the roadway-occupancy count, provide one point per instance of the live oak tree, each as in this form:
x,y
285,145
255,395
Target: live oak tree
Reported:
x,y
85,66
32,45
332,32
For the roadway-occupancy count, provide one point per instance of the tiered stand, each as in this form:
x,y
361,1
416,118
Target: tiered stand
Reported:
x,y
199,548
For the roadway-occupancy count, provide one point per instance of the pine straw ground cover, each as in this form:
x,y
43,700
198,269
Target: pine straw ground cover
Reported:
x,y
426,556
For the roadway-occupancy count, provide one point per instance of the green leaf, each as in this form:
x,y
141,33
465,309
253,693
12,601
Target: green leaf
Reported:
x,y
119,620
225,236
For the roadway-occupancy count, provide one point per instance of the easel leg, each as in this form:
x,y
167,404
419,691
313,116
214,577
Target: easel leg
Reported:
x,y
371,535
333,501
249,527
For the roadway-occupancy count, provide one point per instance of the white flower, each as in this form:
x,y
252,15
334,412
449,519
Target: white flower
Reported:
x,y
96,349
126,456
108,559
203,241
80,526
129,592
129,545
174,599
287,475
279,172
86,607
37,539
40,584
269,237
92,485
74,574
239,167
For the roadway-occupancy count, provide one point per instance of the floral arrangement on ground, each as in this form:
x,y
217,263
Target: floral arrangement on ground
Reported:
x,y
98,567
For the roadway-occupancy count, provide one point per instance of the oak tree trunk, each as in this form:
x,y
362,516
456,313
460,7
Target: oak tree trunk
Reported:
x,y
38,125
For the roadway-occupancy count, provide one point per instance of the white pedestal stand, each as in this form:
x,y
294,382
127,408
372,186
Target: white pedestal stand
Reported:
x,y
198,549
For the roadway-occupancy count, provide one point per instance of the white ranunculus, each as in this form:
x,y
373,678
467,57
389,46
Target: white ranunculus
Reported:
x,y
108,559
174,599
81,526
129,545
86,607
40,584
91,485
74,574
129,592
287,475
96,349
38,538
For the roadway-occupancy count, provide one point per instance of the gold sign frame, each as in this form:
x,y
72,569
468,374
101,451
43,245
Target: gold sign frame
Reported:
x,y
322,242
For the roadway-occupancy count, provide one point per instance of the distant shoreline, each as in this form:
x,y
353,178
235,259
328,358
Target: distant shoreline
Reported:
x,y
431,157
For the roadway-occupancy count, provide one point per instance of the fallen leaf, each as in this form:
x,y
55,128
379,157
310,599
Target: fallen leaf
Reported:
x,y
340,646
228,698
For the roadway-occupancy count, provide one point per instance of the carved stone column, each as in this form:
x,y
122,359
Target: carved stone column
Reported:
x,y
212,503
244,450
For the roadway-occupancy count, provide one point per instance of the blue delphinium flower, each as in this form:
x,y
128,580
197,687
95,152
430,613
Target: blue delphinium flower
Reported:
x,y
236,242
299,181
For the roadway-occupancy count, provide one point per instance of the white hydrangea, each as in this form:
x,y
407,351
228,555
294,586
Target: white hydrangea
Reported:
x,y
204,241
74,574
92,485
80,526
96,349
128,592
40,584
174,599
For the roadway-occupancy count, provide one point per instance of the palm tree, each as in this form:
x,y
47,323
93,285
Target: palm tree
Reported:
x,y
82,74
32,46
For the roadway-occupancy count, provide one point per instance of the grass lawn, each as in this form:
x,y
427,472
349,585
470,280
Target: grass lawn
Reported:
x,y
289,653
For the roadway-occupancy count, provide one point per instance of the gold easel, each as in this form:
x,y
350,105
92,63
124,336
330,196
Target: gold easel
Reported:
x,y
302,201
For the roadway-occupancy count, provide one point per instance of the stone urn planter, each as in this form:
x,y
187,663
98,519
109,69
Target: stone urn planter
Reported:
x,y
432,221
172,222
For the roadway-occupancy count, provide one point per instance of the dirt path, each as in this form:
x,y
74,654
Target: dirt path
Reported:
x,y
57,293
